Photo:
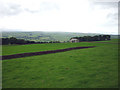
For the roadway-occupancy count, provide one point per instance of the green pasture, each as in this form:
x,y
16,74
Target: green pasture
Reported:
x,y
83,68
15,49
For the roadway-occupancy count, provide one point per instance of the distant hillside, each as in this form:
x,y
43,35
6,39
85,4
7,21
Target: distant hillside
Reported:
x,y
48,36
115,36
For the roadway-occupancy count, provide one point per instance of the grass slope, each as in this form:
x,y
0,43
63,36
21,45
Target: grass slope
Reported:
x,y
86,68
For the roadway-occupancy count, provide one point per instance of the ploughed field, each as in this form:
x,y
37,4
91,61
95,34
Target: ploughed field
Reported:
x,y
81,68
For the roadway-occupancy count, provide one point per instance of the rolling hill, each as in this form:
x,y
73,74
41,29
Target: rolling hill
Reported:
x,y
48,36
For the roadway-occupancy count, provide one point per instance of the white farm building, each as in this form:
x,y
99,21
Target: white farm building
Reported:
x,y
74,40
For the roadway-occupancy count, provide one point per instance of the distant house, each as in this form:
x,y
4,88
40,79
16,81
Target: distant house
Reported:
x,y
74,40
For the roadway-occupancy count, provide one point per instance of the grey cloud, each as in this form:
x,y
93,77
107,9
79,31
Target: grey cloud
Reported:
x,y
9,9
113,16
48,6
112,19
110,24
119,9
31,11
119,14
44,6
107,4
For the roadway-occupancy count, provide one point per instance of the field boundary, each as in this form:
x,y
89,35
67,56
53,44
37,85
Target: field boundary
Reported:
x,y
41,52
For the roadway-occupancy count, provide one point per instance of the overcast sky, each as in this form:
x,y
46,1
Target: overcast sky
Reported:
x,y
86,16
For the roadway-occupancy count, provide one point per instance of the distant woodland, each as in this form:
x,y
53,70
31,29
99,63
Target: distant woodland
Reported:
x,y
13,40
93,38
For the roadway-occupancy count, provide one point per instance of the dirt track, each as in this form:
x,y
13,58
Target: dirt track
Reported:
x,y
41,53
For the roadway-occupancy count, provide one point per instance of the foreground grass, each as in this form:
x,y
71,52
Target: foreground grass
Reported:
x,y
84,68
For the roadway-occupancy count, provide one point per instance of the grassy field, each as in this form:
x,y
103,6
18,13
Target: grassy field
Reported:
x,y
15,49
83,68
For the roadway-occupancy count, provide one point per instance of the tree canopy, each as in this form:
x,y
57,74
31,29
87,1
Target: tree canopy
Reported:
x,y
93,38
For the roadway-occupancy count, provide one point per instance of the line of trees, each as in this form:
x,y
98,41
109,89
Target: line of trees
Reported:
x,y
13,40
93,38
